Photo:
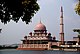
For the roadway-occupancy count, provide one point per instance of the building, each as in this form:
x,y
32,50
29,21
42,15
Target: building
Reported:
x,y
77,39
40,39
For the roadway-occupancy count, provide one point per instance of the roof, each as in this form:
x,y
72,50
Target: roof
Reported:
x,y
40,26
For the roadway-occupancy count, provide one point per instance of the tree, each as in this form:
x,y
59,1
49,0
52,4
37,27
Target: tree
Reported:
x,y
16,9
77,8
77,30
0,30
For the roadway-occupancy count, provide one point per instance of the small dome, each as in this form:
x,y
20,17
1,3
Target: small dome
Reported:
x,y
40,26
54,38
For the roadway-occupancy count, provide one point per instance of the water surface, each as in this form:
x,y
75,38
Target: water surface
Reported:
x,y
8,51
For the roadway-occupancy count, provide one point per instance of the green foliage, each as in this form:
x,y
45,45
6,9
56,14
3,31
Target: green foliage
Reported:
x,y
0,30
77,8
16,9
77,30
54,46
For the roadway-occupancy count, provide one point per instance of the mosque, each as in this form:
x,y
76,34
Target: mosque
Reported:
x,y
40,39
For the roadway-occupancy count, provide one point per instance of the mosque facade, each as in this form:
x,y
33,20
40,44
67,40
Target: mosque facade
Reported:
x,y
40,39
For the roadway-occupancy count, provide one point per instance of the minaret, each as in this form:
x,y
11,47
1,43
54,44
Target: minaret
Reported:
x,y
61,27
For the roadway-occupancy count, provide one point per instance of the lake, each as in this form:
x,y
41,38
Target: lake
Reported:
x,y
8,51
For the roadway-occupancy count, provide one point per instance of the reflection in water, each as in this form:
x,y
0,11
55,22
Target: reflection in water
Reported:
x,y
35,52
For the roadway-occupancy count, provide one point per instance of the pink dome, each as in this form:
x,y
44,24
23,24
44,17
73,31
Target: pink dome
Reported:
x,y
40,26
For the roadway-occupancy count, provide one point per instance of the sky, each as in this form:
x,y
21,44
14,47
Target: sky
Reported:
x,y
49,13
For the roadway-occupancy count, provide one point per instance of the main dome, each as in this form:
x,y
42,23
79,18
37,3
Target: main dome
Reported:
x,y
40,26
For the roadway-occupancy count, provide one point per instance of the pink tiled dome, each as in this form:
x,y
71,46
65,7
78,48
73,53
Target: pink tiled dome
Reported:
x,y
40,26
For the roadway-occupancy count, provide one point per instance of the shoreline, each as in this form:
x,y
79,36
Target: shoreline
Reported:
x,y
53,49
68,50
